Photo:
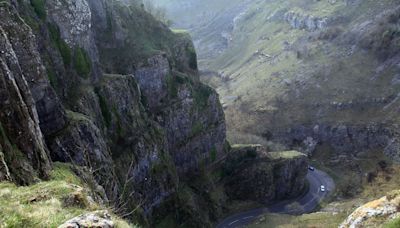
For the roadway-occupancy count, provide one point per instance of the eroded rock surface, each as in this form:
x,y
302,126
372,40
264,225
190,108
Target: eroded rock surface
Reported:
x,y
374,213
252,173
99,219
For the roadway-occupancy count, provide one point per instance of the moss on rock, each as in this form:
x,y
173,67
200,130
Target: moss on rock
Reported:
x,y
39,7
82,62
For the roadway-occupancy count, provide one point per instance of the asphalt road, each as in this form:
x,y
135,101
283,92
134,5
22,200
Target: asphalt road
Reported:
x,y
306,203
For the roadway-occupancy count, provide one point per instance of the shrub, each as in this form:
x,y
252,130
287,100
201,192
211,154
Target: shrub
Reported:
x,y
39,7
82,62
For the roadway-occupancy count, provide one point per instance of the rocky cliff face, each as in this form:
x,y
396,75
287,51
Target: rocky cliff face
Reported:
x,y
308,22
254,174
25,156
342,138
104,85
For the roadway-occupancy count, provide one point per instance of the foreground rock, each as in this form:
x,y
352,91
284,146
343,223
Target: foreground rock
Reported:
x,y
98,219
375,213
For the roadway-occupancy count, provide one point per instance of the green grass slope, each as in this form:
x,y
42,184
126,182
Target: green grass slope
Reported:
x,y
48,203
280,76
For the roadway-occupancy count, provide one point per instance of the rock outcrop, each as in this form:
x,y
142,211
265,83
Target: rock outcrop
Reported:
x,y
100,219
343,139
252,173
300,21
375,213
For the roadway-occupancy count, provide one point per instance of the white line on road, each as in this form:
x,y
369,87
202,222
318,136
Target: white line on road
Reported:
x,y
233,222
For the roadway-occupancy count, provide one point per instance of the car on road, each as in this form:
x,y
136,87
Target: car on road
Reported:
x,y
322,188
311,168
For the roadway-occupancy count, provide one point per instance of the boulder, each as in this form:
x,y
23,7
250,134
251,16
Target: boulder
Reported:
x,y
97,219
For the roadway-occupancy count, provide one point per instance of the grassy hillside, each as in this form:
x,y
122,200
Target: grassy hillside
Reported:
x,y
267,71
276,74
49,203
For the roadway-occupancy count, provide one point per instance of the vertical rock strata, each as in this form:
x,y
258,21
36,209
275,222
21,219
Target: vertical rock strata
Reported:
x,y
140,120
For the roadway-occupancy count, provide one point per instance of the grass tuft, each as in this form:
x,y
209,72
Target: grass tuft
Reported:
x,y
44,204
393,224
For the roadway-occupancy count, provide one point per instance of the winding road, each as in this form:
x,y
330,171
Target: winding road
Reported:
x,y
306,203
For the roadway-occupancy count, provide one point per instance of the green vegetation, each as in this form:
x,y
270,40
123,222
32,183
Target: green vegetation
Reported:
x,y
40,8
393,224
62,46
314,220
77,117
240,154
275,60
105,111
197,128
172,86
65,51
145,37
118,122
213,154
46,204
285,154
82,62
51,76
201,94
181,32
16,159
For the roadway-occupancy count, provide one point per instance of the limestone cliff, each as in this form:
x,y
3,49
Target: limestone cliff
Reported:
x,y
254,174
24,153
299,21
104,85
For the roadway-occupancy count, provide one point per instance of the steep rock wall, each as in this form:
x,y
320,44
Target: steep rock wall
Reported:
x,y
308,22
342,138
252,173
24,152
131,141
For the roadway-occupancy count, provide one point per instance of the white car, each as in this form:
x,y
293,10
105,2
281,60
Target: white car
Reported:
x,y
322,188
